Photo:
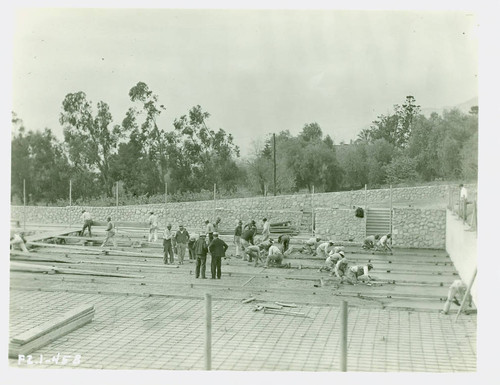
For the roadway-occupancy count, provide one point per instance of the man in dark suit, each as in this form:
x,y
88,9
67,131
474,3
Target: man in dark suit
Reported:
x,y
218,250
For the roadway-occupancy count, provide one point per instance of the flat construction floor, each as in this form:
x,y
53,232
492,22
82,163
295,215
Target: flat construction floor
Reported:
x,y
155,318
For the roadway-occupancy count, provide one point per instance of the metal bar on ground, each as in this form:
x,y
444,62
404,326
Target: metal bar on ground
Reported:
x,y
208,332
343,336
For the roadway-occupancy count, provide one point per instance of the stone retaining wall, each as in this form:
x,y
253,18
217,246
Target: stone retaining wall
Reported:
x,y
333,212
419,228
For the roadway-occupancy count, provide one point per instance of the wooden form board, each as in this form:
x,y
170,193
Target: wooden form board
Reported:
x,y
47,332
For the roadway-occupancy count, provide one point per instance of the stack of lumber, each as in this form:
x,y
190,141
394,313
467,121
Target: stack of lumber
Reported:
x,y
47,332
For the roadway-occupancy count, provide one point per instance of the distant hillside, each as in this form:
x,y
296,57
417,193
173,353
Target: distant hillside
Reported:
x,y
464,107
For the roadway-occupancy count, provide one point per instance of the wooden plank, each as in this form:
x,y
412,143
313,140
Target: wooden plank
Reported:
x,y
15,350
51,234
30,267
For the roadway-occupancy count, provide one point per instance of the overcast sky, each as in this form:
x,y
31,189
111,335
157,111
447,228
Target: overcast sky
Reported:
x,y
255,72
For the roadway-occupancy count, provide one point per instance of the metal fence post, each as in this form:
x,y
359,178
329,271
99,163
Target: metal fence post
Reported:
x,y
208,332
343,336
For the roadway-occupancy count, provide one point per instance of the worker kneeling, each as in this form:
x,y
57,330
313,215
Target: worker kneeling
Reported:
x,y
370,241
275,257
354,272
18,241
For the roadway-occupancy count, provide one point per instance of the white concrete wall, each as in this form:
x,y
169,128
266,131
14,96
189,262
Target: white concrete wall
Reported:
x,y
461,245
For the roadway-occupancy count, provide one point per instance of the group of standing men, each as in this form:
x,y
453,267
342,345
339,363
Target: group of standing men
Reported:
x,y
197,247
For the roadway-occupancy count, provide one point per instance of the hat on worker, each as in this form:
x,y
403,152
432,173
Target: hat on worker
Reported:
x,y
370,266
216,234
341,253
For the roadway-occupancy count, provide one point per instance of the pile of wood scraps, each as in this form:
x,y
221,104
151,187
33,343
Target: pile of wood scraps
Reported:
x,y
278,308
47,332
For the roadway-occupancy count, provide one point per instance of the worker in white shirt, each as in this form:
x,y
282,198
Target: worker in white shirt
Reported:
x,y
266,230
341,268
311,244
331,261
253,252
323,249
210,230
383,243
275,256
87,222
110,233
456,293
153,227
356,271
18,241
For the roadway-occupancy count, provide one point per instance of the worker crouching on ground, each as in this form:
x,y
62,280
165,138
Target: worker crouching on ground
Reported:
x,y
324,249
284,240
218,250
110,233
18,241
341,268
201,250
275,257
456,294
383,243
87,223
370,241
252,252
311,244
354,272
331,261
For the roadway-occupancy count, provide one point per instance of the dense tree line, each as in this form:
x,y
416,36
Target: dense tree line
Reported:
x,y
141,158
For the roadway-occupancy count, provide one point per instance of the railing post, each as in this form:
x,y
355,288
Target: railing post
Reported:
x,y
343,336
208,332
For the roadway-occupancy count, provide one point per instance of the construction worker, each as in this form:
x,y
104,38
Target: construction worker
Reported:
x,y
217,224
201,250
237,238
110,233
284,240
18,241
253,252
153,227
370,241
181,241
218,250
323,249
266,230
190,245
87,222
383,243
247,237
168,252
456,294
356,271
275,256
331,261
340,269
463,202
311,244
210,230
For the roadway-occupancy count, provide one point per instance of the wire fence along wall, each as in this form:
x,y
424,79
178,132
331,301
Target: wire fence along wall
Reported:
x,y
465,209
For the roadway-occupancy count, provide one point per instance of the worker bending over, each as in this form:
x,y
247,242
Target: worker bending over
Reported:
x,y
251,252
311,244
18,241
275,257
356,271
284,240
370,241
383,243
324,249
331,261
341,268
456,294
